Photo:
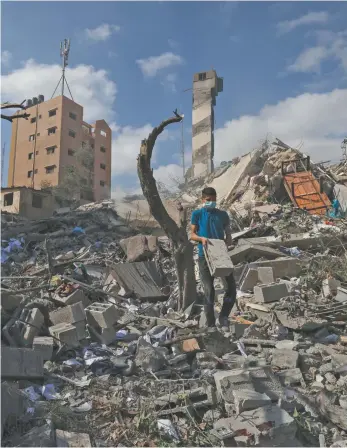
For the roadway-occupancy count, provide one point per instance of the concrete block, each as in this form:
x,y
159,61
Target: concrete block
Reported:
x,y
105,315
21,363
72,439
66,333
249,281
75,297
290,377
81,329
284,358
36,318
68,314
136,248
248,399
218,259
108,335
266,275
44,344
282,267
270,293
252,252
227,380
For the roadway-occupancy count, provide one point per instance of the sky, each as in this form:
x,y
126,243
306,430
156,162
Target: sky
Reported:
x,y
284,66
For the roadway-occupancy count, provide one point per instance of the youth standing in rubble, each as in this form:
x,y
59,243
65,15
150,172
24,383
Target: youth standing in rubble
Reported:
x,y
210,222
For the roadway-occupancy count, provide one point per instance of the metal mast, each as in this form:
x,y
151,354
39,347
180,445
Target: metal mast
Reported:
x,y
182,148
64,54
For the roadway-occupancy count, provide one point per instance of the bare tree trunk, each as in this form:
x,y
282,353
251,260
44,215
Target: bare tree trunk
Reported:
x,y
16,115
183,249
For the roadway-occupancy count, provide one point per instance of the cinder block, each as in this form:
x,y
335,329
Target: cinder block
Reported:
x,y
44,344
72,439
270,293
285,358
66,333
218,259
81,329
21,363
105,315
248,399
36,319
75,297
266,275
250,280
68,314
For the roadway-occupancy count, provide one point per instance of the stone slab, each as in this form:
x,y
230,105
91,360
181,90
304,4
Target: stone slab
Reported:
x,y
270,293
21,363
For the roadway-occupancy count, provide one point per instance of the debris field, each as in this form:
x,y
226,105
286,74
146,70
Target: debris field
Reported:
x,y
96,352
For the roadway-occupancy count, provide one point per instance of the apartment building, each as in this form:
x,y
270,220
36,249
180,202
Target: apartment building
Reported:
x,y
45,144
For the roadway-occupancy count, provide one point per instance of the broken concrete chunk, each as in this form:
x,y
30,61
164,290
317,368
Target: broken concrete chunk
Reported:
x,y
75,297
35,322
270,293
21,363
290,377
72,439
266,275
248,399
299,322
341,295
105,315
68,314
44,345
338,361
37,436
136,248
227,380
329,287
285,358
249,281
252,252
218,259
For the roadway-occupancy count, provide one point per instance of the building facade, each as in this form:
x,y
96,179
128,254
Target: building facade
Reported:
x,y
206,86
26,202
45,145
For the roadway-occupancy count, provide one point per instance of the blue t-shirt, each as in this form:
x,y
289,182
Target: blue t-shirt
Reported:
x,y
210,224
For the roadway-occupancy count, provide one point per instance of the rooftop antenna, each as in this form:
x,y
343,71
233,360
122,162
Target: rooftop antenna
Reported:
x,y
64,54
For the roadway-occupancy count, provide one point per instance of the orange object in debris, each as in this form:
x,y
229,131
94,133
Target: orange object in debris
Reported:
x,y
303,188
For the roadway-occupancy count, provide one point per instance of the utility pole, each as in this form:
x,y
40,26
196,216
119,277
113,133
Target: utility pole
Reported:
x,y
182,149
2,163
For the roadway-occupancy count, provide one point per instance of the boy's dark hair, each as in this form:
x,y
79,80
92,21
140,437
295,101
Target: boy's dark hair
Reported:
x,y
208,191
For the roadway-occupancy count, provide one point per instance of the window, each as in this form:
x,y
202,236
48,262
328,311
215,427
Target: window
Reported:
x,y
72,115
102,183
103,133
36,201
50,149
33,120
40,116
202,76
35,172
37,153
52,112
50,169
71,152
102,166
8,199
72,133
30,173
51,130
31,137
102,149
30,155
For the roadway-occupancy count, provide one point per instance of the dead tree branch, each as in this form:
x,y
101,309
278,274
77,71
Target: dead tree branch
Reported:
x,y
15,116
183,250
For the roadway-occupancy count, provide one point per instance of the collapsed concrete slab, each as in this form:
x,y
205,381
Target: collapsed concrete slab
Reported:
x,y
142,279
299,323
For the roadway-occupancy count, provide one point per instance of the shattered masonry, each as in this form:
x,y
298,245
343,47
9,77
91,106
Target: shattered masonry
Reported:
x,y
95,353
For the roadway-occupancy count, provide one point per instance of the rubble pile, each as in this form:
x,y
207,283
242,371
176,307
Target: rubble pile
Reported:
x,y
96,352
